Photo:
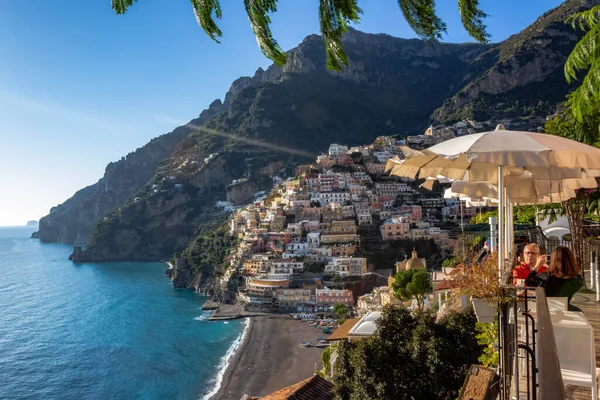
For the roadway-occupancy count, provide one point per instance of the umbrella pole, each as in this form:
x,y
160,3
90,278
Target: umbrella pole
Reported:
x,y
507,220
509,226
511,230
500,229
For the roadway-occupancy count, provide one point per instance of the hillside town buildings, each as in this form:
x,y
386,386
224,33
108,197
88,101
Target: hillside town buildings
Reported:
x,y
296,244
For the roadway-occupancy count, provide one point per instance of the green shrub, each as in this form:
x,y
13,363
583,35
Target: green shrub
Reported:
x,y
488,337
409,356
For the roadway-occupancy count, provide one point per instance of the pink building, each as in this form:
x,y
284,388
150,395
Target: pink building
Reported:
x,y
395,228
345,159
375,169
415,212
329,182
328,297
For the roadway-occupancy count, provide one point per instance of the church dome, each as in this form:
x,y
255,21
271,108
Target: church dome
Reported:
x,y
415,262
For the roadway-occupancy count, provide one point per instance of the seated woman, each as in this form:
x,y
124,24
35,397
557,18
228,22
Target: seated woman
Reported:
x,y
564,280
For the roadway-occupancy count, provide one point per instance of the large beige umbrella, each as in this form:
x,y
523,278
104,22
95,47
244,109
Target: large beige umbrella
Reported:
x,y
497,155
523,189
423,164
520,149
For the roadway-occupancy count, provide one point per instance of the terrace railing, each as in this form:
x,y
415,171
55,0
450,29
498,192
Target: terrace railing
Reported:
x,y
529,366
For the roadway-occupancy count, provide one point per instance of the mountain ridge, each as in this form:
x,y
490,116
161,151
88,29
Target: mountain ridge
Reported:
x,y
391,86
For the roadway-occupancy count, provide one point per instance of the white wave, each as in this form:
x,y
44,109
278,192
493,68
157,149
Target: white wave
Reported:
x,y
225,360
204,317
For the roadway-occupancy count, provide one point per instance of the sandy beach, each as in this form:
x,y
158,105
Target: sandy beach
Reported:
x,y
271,358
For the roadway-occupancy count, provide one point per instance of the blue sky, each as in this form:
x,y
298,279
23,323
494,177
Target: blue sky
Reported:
x,y
81,86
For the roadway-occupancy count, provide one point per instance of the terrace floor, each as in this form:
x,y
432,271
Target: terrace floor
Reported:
x,y
591,309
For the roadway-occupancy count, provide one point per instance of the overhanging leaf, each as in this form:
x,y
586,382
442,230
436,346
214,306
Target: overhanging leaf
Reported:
x,y
120,6
258,11
334,16
204,10
472,19
421,16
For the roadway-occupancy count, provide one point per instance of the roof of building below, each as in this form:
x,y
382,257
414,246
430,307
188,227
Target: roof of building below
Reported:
x,y
366,326
444,285
313,388
341,333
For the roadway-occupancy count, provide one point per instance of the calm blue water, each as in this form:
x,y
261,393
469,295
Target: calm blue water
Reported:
x,y
100,331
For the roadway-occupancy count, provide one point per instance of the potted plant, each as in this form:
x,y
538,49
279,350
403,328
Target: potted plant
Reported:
x,y
480,281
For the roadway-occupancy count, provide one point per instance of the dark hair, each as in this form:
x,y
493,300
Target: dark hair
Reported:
x,y
563,264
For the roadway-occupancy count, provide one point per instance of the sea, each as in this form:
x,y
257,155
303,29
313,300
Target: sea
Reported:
x,y
102,331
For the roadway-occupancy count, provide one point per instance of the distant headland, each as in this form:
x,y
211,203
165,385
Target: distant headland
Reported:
x,y
33,223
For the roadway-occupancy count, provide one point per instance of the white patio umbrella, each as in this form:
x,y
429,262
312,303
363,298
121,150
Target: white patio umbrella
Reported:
x,y
495,155
520,190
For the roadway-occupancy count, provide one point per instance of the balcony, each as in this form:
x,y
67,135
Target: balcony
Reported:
x,y
547,348
548,353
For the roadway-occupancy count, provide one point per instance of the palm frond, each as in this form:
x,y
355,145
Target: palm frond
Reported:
x,y
121,6
204,10
584,129
585,19
472,19
421,16
585,57
585,100
586,50
334,16
257,11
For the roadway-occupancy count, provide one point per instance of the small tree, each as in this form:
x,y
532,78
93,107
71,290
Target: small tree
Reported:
x,y
480,280
341,311
412,283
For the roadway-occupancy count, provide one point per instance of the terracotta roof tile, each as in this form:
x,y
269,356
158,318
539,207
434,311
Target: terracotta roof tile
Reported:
x,y
457,270
313,388
445,285
341,332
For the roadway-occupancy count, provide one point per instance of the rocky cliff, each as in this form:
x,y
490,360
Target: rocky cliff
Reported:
x,y
163,217
522,76
300,106
74,220
243,191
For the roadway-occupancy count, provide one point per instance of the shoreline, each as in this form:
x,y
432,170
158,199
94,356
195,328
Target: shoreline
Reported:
x,y
227,372
269,358
227,360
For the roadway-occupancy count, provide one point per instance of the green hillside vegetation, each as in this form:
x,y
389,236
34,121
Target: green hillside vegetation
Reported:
x,y
207,252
